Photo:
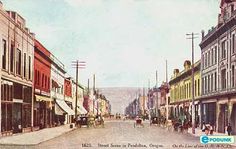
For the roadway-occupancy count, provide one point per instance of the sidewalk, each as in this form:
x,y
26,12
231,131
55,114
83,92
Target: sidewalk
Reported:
x,y
36,137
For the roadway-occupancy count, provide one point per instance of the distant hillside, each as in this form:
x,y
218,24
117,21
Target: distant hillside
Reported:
x,y
120,97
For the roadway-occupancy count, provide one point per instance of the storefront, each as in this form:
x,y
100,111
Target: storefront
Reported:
x,y
43,114
15,107
209,113
61,111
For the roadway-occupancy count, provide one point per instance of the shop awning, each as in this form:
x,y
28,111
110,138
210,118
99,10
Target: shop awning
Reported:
x,y
58,110
62,104
81,109
42,98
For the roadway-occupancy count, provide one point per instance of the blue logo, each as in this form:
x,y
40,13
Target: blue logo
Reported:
x,y
217,139
204,139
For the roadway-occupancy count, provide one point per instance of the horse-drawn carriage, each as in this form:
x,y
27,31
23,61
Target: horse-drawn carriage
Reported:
x,y
99,121
154,121
82,121
138,122
181,127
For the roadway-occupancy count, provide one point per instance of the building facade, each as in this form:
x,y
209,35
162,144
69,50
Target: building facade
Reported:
x,y
181,92
17,50
43,113
218,57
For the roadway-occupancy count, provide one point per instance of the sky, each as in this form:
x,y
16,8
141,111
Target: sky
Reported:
x,y
123,42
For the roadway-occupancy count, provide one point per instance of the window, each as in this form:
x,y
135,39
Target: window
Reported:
x,y
209,58
12,58
215,81
212,57
4,54
215,54
212,82
233,77
223,48
198,82
39,78
24,65
233,43
45,82
29,73
18,62
223,79
42,80
208,84
203,61
206,60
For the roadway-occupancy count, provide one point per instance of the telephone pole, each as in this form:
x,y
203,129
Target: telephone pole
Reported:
x,y
77,65
192,37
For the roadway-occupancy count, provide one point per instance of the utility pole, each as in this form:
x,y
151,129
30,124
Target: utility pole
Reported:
x,y
192,37
156,79
94,94
77,64
167,100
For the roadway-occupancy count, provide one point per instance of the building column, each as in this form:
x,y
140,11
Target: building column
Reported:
x,y
217,115
230,109
200,112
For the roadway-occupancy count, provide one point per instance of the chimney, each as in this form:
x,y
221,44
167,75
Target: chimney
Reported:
x,y
203,34
176,72
32,34
187,65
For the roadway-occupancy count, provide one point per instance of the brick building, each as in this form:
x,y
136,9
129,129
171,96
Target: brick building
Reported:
x,y
17,49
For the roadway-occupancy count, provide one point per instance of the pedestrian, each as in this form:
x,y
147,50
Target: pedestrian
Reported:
x,y
229,129
207,130
211,129
203,127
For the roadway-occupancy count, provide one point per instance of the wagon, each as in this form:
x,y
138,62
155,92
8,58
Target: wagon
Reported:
x,y
154,120
99,121
82,121
138,122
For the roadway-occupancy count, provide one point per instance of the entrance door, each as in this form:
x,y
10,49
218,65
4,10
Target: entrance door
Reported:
x,y
16,114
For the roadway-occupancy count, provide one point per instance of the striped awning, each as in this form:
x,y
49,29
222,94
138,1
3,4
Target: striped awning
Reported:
x,y
62,104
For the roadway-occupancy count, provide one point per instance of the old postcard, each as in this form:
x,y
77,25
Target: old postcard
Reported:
x,y
117,74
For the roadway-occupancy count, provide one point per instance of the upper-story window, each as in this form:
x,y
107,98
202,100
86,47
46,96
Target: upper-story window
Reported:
x,y
212,57
223,49
206,60
4,54
203,61
12,57
29,73
223,79
209,58
24,65
215,54
233,43
18,62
